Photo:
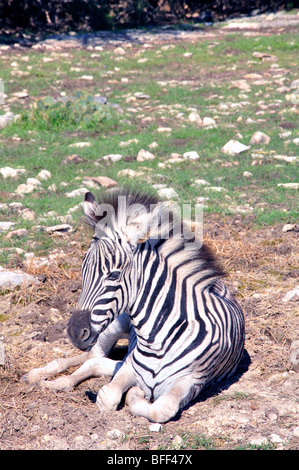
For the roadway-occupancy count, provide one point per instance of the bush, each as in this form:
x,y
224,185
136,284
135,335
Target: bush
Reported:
x,y
83,111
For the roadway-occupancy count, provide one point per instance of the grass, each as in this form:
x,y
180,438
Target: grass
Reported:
x,y
176,83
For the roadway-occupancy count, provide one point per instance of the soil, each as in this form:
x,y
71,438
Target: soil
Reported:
x,y
259,406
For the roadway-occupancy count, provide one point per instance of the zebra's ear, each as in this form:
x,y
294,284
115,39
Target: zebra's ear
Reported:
x,y
89,208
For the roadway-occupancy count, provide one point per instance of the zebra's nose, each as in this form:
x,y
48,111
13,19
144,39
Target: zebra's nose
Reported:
x,y
79,330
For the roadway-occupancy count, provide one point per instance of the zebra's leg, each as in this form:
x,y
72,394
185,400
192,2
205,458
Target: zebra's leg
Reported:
x,y
96,362
110,395
95,367
165,407
54,367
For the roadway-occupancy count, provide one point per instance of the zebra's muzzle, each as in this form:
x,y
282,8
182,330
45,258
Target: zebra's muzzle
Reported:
x,y
80,332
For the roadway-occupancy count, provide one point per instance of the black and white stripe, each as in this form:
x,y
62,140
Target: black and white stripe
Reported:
x,y
187,324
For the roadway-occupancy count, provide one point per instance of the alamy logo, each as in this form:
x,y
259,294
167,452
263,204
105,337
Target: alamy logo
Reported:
x,y
161,221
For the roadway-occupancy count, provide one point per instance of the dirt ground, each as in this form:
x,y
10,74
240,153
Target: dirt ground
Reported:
x,y
258,407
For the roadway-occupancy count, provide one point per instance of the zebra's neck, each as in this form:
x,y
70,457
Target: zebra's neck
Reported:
x,y
164,271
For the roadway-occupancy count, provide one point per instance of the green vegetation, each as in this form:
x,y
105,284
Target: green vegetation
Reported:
x,y
149,88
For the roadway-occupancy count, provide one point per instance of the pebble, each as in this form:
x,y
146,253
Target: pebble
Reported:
x,y
291,294
44,175
144,155
234,147
4,226
195,118
260,138
290,228
25,189
115,434
33,181
285,158
8,172
167,193
192,155
8,118
77,192
155,427
113,157
80,144
9,279
209,123
289,185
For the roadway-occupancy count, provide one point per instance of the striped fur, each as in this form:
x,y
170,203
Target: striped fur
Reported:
x,y
189,330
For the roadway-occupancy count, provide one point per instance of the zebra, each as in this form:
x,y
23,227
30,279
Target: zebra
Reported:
x,y
185,328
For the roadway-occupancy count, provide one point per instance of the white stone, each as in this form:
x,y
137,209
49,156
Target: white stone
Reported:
x,y
290,228
114,157
285,158
247,174
164,129
80,144
296,141
115,434
201,182
25,189
44,175
155,427
194,117
289,185
4,226
8,172
234,147
241,85
144,155
119,51
209,123
192,155
167,193
87,77
77,192
291,294
15,278
260,138
33,181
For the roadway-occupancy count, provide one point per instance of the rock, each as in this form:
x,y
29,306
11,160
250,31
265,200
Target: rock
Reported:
x,y
44,175
289,185
260,138
167,193
164,129
144,155
87,77
28,214
247,174
296,141
201,182
177,441
141,96
290,228
119,51
77,192
219,189
33,181
103,181
128,142
195,118
241,85
20,94
10,279
4,226
8,172
8,118
153,145
285,158
113,157
62,228
192,155
291,294
80,144
155,427
33,262
25,189
234,147
129,172
209,123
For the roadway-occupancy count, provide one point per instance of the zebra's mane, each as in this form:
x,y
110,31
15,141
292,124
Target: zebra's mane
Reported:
x,y
200,254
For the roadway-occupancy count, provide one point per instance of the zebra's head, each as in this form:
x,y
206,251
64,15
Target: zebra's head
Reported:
x,y
109,273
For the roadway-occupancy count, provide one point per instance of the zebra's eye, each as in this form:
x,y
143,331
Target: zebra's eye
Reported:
x,y
114,276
